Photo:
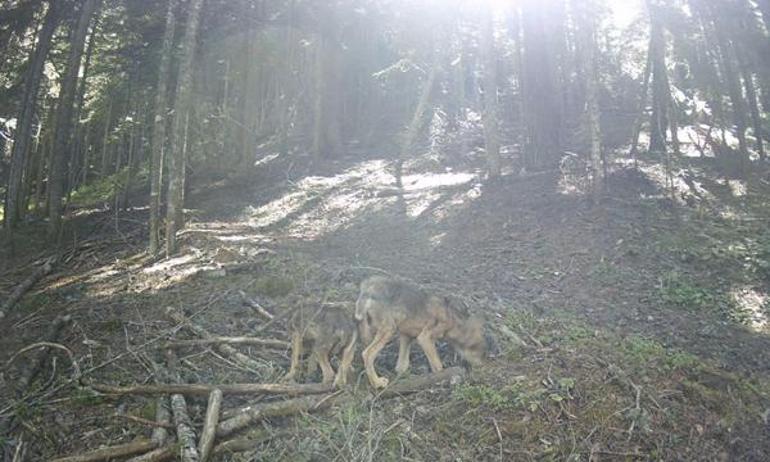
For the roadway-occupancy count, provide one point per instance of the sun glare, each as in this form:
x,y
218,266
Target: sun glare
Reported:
x,y
625,12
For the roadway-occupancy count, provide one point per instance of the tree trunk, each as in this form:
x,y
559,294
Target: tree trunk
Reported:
x,y
586,12
250,103
413,129
642,106
542,97
756,118
28,106
106,160
491,132
44,159
177,151
78,160
661,92
63,137
732,80
159,128
327,137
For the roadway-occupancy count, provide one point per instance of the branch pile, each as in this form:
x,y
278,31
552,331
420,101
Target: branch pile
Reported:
x,y
174,433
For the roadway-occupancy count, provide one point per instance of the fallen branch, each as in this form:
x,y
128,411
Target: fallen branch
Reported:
x,y
140,420
163,419
41,272
227,447
184,430
418,383
265,342
42,356
226,350
157,455
256,306
208,434
254,413
111,452
36,365
203,389
47,345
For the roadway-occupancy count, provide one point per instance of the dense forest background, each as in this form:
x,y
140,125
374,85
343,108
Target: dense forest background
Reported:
x,y
152,95
590,175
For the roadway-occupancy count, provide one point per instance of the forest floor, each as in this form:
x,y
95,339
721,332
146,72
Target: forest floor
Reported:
x,y
635,330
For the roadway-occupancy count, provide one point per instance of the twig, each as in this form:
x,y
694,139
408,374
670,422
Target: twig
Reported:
x,y
499,436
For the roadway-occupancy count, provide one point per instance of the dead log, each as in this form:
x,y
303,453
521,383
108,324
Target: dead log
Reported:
x,y
163,418
418,383
39,273
203,389
184,430
111,452
226,350
185,434
208,434
265,342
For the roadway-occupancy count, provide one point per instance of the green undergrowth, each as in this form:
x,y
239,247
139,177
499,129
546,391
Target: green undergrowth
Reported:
x,y
104,189
573,391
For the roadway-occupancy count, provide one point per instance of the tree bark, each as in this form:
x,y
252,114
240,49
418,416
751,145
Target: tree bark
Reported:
x,y
64,125
177,166
491,131
28,106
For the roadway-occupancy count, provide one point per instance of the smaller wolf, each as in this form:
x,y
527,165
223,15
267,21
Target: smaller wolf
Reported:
x,y
387,306
329,330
